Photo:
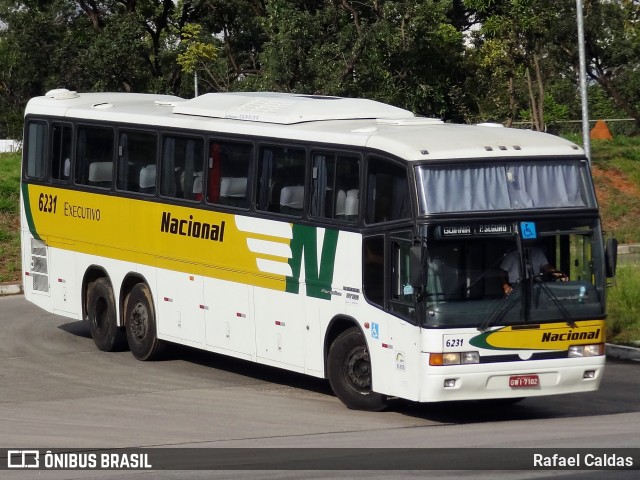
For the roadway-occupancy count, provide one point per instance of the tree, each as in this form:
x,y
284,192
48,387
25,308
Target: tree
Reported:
x,y
28,46
402,52
511,47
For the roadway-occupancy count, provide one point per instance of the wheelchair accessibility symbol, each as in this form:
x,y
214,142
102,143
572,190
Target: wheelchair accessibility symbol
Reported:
x,y
528,230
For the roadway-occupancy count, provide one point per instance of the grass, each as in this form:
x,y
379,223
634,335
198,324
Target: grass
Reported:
x,y
10,265
616,172
623,300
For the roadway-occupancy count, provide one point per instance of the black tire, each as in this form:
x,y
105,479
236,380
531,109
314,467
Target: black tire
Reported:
x,y
101,314
140,323
349,372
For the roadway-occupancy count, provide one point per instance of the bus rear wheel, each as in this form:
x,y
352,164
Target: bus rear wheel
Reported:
x,y
140,323
349,372
101,313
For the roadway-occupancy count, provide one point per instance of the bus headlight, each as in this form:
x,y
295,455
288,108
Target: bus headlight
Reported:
x,y
594,350
454,358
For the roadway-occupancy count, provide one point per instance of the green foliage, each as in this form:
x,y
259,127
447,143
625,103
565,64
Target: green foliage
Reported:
x,y
9,217
406,53
624,306
9,182
461,60
616,167
198,50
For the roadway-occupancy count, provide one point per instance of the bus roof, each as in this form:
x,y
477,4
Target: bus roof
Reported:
x,y
334,120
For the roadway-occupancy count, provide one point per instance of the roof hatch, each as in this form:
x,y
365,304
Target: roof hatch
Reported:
x,y
285,108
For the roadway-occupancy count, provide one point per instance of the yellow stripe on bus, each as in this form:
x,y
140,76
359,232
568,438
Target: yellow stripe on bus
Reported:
x,y
198,241
549,336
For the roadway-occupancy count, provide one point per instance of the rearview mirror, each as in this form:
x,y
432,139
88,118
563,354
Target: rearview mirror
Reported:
x,y
415,258
611,257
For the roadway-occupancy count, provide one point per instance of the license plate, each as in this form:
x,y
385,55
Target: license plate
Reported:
x,y
524,381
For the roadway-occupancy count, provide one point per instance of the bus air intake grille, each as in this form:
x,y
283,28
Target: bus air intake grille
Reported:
x,y
516,358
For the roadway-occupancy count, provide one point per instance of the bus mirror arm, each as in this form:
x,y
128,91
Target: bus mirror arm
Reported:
x,y
415,259
611,256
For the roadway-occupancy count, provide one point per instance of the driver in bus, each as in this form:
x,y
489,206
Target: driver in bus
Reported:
x,y
510,271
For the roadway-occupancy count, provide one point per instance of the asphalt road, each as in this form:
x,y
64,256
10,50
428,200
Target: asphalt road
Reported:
x,y
57,391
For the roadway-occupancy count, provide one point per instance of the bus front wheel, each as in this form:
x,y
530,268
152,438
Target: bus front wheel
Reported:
x,y
140,323
101,313
349,372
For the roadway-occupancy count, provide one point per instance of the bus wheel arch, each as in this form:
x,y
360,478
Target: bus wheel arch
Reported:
x,y
130,280
99,309
91,274
348,366
140,323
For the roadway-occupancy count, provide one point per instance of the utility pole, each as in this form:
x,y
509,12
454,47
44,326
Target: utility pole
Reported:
x,y
583,82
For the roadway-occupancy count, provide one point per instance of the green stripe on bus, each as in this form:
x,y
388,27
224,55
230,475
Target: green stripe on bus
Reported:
x,y
27,210
305,243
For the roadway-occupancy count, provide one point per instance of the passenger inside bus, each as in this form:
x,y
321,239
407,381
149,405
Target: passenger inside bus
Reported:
x,y
510,270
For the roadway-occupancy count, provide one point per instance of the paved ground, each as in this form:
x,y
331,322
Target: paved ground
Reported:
x,y
58,391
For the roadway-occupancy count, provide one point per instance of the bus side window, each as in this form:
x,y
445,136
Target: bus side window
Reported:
x,y
228,171
94,156
401,299
181,168
137,162
60,157
335,187
35,151
387,192
281,180
373,269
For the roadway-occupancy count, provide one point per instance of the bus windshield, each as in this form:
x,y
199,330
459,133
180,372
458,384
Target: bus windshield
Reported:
x,y
504,186
481,275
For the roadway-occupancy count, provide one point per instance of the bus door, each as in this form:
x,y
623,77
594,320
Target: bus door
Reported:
x,y
395,335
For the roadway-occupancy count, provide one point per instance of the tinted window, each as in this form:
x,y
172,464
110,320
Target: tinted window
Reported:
x,y
94,156
373,269
335,187
61,137
387,192
36,142
281,180
137,162
228,173
181,168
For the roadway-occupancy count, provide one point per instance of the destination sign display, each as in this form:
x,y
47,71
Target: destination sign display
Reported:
x,y
474,230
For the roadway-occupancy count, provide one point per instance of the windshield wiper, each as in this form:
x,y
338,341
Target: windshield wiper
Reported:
x,y
497,314
561,308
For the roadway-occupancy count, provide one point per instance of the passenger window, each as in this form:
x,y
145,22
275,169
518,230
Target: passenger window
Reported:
x,y
182,168
94,156
373,269
61,136
401,299
387,192
335,187
228,172
37,134
281,180
137,162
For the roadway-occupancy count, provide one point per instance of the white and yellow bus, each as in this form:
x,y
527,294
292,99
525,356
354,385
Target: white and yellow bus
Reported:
x,y
342,238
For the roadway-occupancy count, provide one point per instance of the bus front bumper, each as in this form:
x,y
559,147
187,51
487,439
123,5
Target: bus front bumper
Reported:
x,y
510,379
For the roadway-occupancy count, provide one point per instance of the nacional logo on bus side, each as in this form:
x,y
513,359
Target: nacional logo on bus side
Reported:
x,y
192,228
284,249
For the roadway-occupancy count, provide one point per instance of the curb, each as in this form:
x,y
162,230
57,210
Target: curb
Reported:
x,y
10,289
620,352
